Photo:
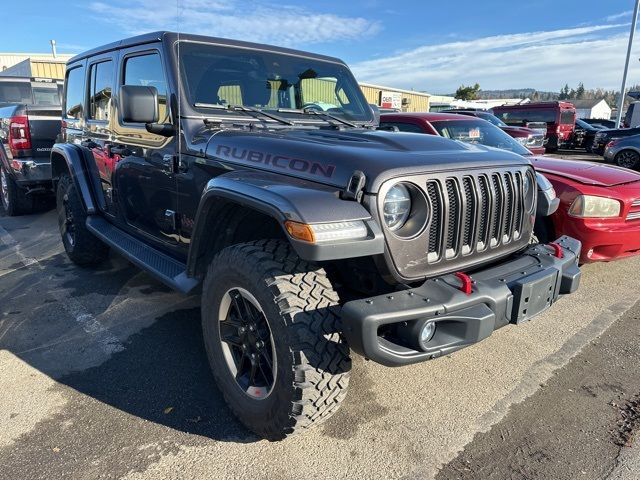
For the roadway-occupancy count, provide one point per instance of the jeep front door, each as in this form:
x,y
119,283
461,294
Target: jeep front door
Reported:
x,y
144,175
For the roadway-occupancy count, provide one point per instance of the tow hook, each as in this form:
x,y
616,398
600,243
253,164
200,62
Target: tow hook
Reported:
x,y
466,286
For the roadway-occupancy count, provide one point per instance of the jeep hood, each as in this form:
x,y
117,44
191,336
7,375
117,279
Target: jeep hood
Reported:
x,y
331,156
587,173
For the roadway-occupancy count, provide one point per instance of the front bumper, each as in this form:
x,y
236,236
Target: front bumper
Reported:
x,y
29,172
604,241
512,292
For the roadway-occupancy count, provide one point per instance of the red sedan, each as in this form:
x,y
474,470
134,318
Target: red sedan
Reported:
x,y
599,204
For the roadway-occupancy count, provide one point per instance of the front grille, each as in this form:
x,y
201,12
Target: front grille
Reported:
x,y
474,217
635,215
493,203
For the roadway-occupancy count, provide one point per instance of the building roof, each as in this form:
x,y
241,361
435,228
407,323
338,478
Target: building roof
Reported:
x,y
587,103
393,89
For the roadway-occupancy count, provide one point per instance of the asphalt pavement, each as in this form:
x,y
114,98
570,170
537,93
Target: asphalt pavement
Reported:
x,y
103,374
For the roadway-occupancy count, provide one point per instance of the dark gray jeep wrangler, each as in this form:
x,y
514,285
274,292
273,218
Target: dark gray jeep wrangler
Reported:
x,y
257,175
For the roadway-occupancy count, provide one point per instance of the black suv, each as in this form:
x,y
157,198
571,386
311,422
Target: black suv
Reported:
x,y
257,175
602,137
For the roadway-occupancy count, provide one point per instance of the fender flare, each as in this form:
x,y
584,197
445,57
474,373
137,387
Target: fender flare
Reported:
x,y
286,199
75,158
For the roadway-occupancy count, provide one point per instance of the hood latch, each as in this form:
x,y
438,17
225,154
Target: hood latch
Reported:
x,y
355,188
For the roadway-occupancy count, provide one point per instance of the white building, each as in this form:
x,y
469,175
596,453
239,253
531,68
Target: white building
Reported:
x,y
592,108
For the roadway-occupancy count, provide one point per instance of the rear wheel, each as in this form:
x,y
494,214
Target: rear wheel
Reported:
x,y
15,200
273,338
82,247
628,159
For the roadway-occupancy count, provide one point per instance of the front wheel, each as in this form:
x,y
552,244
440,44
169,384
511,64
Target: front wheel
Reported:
x,y
273,338
628,159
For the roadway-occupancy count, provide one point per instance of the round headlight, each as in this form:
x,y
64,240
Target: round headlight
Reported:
x,y
397,206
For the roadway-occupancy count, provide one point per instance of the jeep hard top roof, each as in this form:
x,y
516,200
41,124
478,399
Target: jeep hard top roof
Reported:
x,y
170,37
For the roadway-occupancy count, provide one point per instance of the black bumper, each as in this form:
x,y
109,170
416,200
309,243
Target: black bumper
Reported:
x,y
29,172
512,292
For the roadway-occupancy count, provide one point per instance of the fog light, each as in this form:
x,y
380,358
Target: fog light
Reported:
x,y
426,334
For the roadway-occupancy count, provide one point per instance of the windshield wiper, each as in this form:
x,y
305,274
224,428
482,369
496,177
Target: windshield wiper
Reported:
x,y
317,113
244,108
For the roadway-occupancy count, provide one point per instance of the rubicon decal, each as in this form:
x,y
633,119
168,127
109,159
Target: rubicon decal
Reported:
x,y
278,161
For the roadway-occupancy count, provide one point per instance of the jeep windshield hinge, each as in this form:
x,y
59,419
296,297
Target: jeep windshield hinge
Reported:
x,y
355,187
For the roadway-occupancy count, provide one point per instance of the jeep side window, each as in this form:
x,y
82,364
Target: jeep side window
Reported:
x,y
74,95
147,70
100,77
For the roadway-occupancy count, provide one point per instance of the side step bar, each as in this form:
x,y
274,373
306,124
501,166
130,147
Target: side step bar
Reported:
x,y
168,270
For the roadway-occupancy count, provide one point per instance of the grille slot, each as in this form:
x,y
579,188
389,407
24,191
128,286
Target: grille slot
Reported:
x,y
435,228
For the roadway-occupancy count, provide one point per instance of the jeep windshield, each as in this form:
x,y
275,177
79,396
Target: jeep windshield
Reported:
x,y
293,86
478,132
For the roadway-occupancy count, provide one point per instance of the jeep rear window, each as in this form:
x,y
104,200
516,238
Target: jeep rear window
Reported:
x,y
15,92
567,117
478,132
217,75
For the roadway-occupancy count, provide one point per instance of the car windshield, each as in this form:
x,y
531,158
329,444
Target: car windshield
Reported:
x,y
217,76
493,119
478,132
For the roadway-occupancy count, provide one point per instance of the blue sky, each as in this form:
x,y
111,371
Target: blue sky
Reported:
x,y
423,45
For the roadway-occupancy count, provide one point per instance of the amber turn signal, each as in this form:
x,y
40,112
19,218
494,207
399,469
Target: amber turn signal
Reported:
x,y
300,231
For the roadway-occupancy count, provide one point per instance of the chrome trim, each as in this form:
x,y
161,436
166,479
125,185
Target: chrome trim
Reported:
x,y
633,216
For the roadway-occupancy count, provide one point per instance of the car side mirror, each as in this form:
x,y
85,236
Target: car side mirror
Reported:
x,y
376,113
138,104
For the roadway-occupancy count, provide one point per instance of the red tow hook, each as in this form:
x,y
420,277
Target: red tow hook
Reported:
x,y
557,250
466,282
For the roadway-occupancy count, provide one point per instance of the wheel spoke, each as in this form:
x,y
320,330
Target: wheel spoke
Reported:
x,y
252,373
240,305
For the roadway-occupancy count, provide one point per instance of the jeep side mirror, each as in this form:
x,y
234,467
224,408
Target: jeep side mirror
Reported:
x,y
138,104
376,113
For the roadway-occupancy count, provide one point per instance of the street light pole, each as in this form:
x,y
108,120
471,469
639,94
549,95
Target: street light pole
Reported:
x,y
626,64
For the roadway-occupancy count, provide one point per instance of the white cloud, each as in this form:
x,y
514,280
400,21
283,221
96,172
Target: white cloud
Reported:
x,y
543,60
259,21
618,16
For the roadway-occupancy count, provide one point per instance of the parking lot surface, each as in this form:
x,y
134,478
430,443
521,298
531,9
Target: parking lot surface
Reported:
x,y
103,375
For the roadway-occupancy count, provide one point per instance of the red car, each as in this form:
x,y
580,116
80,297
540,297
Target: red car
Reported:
x,y
533,140
560,118
599,204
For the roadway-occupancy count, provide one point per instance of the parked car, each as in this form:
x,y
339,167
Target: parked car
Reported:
x,y
311,234
29,123
631,116
624,152
531,139
600,123
560,118
583,135
603,137
599,204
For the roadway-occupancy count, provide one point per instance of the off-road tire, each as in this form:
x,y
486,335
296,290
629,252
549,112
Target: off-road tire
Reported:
x,y
83,248
15,200
301,308
628,159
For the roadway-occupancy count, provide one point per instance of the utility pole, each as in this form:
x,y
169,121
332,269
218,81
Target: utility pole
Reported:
x,y
626,64
55,53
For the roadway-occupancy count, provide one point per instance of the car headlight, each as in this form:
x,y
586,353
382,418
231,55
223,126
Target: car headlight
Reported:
x,y
590,206
396,207
529,193
522,140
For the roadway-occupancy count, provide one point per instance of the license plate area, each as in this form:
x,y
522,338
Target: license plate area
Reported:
x,y
533,294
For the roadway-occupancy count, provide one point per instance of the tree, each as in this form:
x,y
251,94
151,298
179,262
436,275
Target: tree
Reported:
x,y
580,91
468,93
564,92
